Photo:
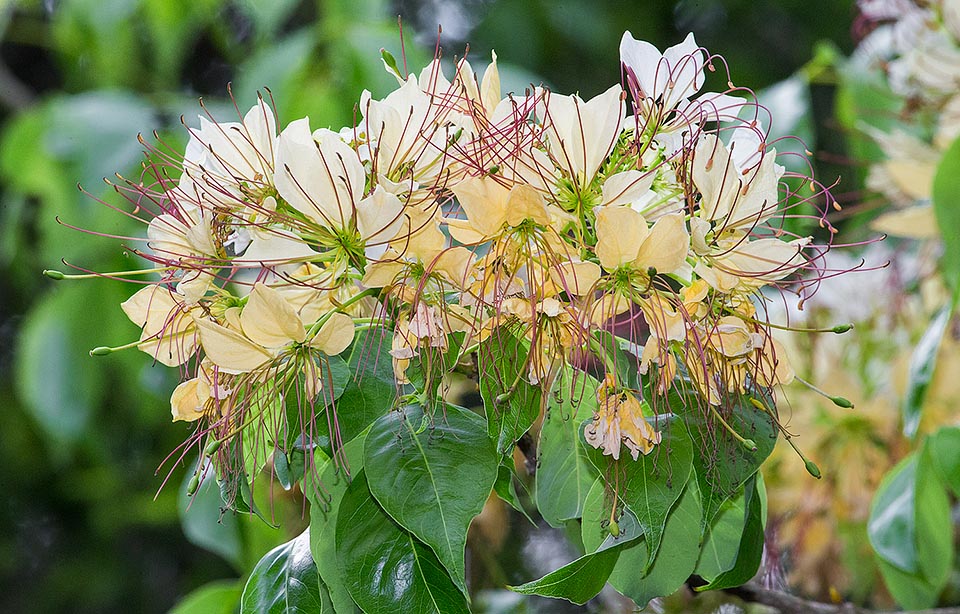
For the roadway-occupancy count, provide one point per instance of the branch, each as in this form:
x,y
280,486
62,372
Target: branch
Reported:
x,y
791,604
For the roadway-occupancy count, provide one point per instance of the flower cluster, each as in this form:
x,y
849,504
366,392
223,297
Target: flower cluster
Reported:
x,y
452,211
917,46
915,49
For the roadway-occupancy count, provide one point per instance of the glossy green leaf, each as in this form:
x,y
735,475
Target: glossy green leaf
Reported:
x,y
507,490
217,597
652,484
723,464
285,581
907,531
923,362
262,430
750,552
386,569
945,456
674,562
892,524
325,497
564,475
580,580
627,362
510,402
935,554
722,539
370,393
946,206
432,474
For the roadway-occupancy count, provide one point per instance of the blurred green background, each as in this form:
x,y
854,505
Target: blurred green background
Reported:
x,y
86,524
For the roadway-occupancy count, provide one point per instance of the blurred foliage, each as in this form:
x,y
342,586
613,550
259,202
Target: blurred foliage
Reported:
x,y
89,527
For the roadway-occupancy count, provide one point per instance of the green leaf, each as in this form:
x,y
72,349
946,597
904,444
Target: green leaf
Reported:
x,y
891,527
946,206
907,531
387,569
723,464
55,377
325,497
945,455
564,475
923,362
262,430
506,490
370,393
510,402
750,551
432,474
722,539
674,562
204,524
580,580
285,581
652,484
217,597
627,362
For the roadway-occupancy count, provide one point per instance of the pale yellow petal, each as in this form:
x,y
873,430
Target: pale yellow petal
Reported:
x,y
335,335
576,278
464,232
269,320
620,233
913,223
914,178
626,187
485,203
490,86
229,350
525,203
382,274
185,404
665,249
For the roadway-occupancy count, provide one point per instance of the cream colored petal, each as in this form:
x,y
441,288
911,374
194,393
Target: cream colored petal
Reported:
x,y
766,259
490,86
269,320
699,228
716,278
913,177
620,233
456,265
185,404
175,347
609,306
732,337
420,235
525,203
464,232
716,177
667,245
335,335
626,187
913,223
485,203
322,178
229,350
379,216
151,304
382,274
576,278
